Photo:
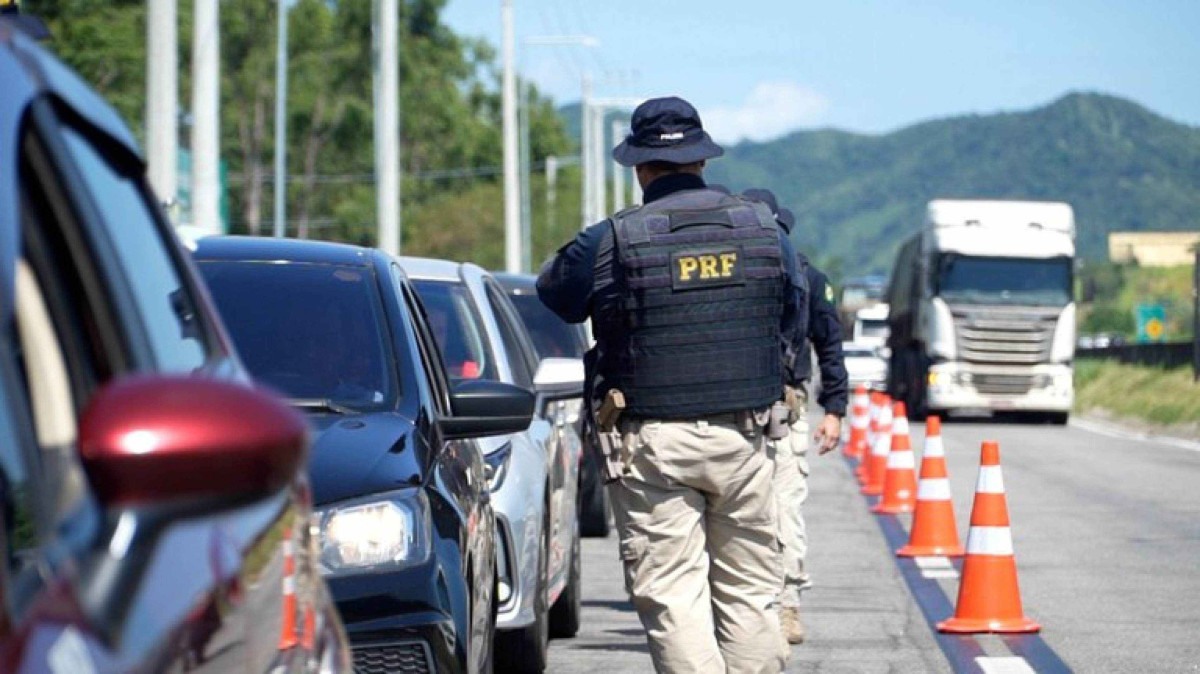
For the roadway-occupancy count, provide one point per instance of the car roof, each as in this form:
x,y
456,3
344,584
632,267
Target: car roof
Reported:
x,y
27,72
48,74
431,269
265,249
517,284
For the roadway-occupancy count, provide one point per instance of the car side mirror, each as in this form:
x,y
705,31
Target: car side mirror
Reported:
x,y
156,439
484,407
559,378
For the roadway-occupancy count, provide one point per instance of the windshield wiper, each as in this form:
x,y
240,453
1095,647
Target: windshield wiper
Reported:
x,y
324,404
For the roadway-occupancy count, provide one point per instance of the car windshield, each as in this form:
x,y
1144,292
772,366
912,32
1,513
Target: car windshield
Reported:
x,y
457,329
873,327
999,280
552,336
314,332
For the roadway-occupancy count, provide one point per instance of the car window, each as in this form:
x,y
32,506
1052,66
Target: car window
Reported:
x,y
167,308
310,331
552,336
520,356
432,366
457,329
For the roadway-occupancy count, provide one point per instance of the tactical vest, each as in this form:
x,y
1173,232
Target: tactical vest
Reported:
x,y
697,329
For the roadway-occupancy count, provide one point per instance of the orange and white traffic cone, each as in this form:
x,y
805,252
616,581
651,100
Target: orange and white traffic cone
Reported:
x,y
877,460
288,631
988,598
933,531
900,476
855,448
873,407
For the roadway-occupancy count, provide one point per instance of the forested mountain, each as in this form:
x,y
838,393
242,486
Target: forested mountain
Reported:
x,y
1120,166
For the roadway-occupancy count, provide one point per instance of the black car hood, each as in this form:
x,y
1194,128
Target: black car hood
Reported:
x,y
362,454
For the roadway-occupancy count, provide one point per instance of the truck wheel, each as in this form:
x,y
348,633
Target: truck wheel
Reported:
x,y
1056,418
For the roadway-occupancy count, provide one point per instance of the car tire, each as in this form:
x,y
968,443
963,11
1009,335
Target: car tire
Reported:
x,y
1056,418
524,650
593,509
564,615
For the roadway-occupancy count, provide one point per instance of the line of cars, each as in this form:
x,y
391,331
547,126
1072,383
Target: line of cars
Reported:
x,y
266,455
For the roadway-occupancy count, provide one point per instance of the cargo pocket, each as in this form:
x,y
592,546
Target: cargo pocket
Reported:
x,y
633,551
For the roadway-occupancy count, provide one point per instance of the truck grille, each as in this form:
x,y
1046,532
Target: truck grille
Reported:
x,y
1003,384
1018,336
408,657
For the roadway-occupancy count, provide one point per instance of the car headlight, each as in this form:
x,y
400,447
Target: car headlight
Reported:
x,y
495,465
392,530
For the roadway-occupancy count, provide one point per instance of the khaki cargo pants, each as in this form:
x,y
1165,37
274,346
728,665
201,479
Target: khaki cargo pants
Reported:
x,y
790,456
698,534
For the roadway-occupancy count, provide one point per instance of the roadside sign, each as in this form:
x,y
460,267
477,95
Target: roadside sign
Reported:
x,y
1151,322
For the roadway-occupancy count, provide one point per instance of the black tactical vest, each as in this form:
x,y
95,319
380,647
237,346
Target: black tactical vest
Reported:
x,y
697,330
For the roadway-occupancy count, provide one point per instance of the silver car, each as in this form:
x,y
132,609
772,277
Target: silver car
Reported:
x,y
535,474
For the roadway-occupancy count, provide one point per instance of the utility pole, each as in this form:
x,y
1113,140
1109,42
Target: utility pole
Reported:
x,y
599,173
512,207
585,150
281,68
597,166
526,156
162,98
618,129
206,116
551,192
387,124
526,150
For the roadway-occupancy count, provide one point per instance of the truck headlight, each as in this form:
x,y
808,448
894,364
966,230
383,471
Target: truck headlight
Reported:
x,y
386,531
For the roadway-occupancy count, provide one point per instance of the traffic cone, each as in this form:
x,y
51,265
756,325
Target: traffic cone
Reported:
x,y
308,637
933,531
877,460
855,448
287,632
988,597
873,408
900,475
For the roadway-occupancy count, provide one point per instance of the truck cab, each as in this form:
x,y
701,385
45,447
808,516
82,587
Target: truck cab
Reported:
x,y
982,311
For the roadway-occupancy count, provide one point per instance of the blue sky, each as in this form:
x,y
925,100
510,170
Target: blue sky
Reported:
x,y
758,69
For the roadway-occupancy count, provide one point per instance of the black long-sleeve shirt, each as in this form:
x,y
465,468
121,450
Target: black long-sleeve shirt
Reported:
x,y
825,336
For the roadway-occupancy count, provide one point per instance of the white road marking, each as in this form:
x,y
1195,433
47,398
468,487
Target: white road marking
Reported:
x,y
1008,665
936,567
1125,434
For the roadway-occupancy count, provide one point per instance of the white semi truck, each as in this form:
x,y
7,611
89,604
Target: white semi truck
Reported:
x,y
981,310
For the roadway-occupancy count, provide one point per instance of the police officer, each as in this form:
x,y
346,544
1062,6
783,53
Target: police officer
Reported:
x,y
690,296
791,461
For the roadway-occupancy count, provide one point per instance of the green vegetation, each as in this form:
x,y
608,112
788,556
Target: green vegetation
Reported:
x,y
1143,393
856,197
449,111
1108,294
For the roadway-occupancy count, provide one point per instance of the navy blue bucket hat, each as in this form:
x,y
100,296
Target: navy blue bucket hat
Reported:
x,y
782,215
666,129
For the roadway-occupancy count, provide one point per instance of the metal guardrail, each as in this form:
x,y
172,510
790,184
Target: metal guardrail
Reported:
x,y
1163,354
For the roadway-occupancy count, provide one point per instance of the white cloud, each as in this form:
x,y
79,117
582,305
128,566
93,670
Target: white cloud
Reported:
x,y
771,110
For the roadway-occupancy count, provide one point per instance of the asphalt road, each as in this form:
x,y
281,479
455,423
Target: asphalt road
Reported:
x,y
1106,531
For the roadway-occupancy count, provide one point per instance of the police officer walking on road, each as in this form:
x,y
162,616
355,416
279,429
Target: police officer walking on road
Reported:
x,y
791,455
691,297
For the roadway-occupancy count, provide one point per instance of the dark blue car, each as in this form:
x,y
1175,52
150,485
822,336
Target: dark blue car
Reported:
x,y
407,538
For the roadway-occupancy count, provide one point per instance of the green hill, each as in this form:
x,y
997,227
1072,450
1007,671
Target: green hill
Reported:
x,y
1121,166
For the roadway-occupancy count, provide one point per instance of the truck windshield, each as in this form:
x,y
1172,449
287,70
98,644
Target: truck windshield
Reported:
x,y
1003,280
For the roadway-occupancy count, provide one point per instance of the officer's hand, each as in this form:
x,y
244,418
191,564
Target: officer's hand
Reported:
x,y
828,433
